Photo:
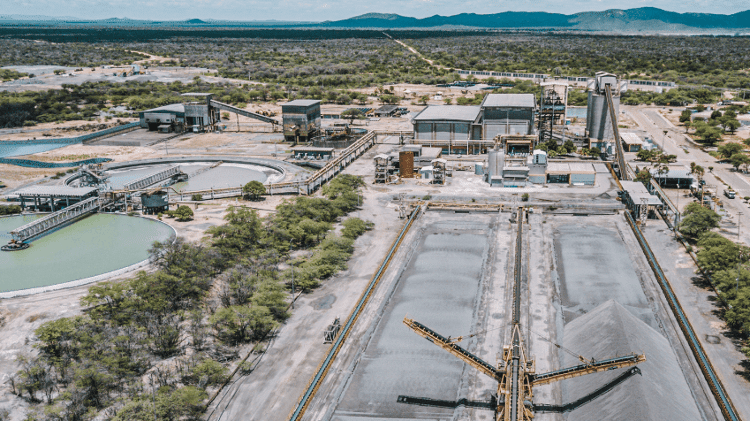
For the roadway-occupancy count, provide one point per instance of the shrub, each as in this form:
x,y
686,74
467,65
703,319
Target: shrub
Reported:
x,y
210,371
254,189
183,213
354,227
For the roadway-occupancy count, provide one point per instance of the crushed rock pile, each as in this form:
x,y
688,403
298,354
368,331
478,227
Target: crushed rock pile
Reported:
x,y
659,393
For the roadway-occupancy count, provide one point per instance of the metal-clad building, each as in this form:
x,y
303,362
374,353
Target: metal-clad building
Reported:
x,y
195,116
507,114
447,122
173,114
631,142
576,173
301,119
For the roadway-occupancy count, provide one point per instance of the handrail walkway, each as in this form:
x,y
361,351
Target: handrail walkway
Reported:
x,y
55,219
308,185
151,179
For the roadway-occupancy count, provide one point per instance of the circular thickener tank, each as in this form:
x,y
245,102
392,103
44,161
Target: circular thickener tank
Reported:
x,y
202,176
92,246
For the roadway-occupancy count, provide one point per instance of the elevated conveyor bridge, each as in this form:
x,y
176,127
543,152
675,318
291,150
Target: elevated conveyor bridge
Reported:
x,y
55,220
154,178
244,113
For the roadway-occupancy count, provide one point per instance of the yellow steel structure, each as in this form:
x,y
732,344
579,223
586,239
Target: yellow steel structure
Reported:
x,y
503,373
516,373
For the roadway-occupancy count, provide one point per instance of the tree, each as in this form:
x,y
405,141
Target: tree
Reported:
x,y
209,371
647,154
711,135
698,220
730,149
686,116
662,170
732,125
254,190
423,99
644,176
351,114
716,114
238,324
354,227
183,213
239,236
717,253
739,159
697,170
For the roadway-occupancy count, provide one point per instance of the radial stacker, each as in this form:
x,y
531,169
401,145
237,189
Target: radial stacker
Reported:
x,y
516,373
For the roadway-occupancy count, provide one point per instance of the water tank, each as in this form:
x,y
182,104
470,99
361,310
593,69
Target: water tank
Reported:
x,y
479,168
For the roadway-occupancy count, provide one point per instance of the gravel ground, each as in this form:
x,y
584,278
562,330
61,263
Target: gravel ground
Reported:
x,y
700,306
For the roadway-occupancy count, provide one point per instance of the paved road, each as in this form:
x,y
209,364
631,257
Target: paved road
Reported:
x,y
726,358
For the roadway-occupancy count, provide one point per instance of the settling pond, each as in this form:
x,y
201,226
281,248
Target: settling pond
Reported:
x,y
95,245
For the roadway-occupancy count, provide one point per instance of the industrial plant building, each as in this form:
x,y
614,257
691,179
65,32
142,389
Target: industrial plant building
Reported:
x,y
301,119
452,126
199,113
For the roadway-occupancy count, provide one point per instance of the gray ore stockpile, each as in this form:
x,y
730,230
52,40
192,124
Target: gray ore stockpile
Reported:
x,y
594,266
607,314
659,393
439,288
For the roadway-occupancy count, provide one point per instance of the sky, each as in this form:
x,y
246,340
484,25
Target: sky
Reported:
x,y
321,10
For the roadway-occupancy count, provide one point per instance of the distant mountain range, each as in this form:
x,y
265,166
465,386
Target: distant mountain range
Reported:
x,y
645,19
641,19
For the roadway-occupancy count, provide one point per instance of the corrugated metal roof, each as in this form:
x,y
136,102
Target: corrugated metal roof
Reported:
x,y
449,113
509,100
558,168
631,139
302,102
581,168
55,191
673,173
637,191
172,108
